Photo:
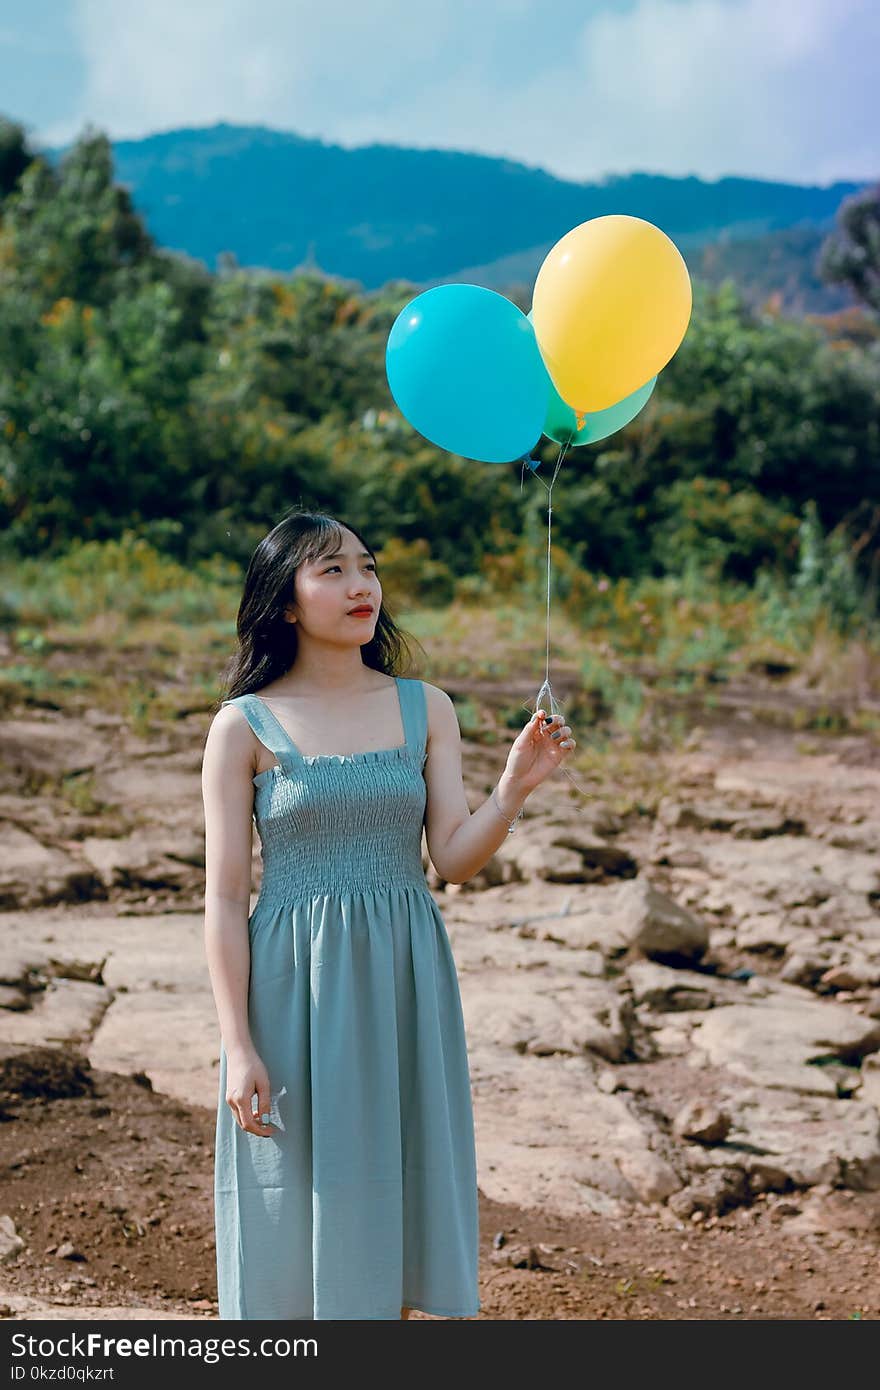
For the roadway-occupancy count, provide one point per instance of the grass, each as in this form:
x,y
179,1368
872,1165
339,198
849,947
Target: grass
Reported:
x,y
119,625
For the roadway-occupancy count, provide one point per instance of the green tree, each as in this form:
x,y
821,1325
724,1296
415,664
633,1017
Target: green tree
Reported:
x,y
851,254
14,155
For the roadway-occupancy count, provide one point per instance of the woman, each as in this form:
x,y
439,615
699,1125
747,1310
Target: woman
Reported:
x,y
345,1172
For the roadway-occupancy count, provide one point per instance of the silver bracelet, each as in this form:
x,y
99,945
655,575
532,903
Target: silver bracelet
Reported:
x,y
511,824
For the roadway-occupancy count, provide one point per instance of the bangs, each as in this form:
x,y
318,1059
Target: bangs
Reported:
x,y
327,536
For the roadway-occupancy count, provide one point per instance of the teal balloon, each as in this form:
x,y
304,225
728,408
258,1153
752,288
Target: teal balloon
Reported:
x,y
560,421
464,367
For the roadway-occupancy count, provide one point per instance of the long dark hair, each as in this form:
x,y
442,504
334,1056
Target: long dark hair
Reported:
x,y
267,642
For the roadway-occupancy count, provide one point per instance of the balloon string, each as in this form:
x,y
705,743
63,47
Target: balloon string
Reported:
x,y
545,695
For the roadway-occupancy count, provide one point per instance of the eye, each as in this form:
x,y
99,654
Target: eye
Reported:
x,y
336,567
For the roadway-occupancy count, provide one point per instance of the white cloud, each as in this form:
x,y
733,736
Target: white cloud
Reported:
x,y
774,88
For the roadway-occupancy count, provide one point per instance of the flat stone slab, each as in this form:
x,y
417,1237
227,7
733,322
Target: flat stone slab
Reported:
x,y
802,1140
173,1038
548,1137
66,1011
780,1040
542,1017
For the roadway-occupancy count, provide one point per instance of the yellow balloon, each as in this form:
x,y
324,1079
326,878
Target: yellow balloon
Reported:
x,y
610,306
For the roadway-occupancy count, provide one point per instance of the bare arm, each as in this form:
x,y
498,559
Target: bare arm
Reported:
x,y
460,842
228,794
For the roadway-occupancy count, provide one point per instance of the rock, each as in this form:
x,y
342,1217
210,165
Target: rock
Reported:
x,y
13,998
556,866
764,932
547,1137
10,1241
670,1034
870,1087
589,962
696,816
518,1257
799,1141
68,1251
604,1175
652,1177
675,856
855,975
711,1195
33,874
593,926
164,1034
787,874
658,926
802,970
759,825
587,1016
597,853
721,937
745,823
563,856
65,1011
146,857
828,1211
606,822
703,1121
18,958
669,990
780,1041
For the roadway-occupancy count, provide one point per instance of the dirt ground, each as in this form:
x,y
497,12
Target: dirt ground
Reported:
x,y
110,1185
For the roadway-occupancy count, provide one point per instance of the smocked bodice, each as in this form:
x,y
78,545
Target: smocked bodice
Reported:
x,y
335,823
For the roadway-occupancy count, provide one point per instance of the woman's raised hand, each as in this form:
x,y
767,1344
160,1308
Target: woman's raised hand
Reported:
x,y
543,744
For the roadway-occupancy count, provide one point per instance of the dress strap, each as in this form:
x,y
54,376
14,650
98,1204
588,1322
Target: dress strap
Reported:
x,y
268,730
415,713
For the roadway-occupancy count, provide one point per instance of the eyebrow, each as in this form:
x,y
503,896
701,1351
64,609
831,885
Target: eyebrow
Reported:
x,y
331,553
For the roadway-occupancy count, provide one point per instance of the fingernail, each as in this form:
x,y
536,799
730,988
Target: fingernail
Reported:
x,y
265,1119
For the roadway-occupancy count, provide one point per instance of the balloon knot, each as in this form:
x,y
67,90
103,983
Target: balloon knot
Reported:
x,y
534,464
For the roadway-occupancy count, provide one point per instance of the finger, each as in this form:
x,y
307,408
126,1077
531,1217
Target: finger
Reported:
x,y
245,1118
263,1108
259,1107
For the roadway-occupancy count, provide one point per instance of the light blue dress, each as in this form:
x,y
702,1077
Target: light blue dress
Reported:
x,y
364,1199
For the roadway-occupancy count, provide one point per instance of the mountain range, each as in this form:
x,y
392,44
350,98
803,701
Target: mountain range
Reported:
x,y
379,213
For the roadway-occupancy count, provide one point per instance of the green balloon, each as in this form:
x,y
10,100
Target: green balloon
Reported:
x,y
561,422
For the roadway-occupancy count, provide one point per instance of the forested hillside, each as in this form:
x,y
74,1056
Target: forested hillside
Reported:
x,y
140,391
273,199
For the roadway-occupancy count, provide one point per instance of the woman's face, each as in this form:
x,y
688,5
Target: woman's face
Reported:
x,y
329,588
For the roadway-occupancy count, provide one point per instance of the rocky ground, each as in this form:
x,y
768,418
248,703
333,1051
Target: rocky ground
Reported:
x,y
673,1015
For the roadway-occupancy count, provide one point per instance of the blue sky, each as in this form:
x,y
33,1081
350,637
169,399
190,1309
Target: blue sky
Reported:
x,y
780,89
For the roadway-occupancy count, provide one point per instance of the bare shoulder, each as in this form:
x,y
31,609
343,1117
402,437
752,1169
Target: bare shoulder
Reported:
x,y
440,709
435,696
227,717
229,734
